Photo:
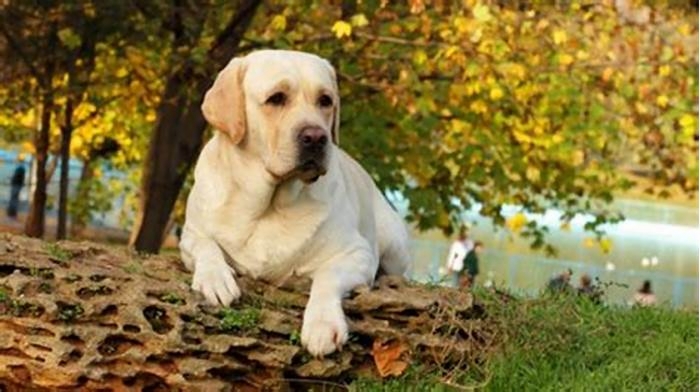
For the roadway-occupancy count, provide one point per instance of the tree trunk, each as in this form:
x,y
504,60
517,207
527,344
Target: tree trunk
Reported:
x,y
177,138
79,221
34,226
66,132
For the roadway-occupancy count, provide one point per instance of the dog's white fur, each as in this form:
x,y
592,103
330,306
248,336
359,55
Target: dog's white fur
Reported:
x,y
253,211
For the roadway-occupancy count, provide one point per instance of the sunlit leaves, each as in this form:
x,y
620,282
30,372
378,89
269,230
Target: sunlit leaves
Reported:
x,y
342,29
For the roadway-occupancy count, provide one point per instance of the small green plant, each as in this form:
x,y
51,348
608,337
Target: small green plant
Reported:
x,y
172,298
45,287
57,253
133,268
295,338
238,319
20,308
69,312
4,297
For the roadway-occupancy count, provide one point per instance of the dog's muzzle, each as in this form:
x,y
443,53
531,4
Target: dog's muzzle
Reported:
x,y
312,145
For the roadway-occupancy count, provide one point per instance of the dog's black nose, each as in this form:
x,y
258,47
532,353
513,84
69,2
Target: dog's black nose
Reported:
x,y
312,138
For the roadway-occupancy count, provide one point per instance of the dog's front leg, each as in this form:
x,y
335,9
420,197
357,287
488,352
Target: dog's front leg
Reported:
x,y
324,329
213,277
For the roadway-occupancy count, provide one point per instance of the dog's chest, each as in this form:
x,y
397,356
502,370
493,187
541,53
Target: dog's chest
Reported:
x,y
272,246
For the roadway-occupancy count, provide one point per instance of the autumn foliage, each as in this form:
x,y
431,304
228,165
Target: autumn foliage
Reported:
x,y
450,104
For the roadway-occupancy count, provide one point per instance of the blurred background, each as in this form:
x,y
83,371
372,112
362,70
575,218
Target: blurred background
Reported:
x,y
563,134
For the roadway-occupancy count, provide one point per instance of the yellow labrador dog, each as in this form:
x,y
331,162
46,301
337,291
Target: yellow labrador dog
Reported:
x,y
274,196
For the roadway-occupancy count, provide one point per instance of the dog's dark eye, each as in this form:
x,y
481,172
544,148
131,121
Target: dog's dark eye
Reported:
x,y
277,99
325,101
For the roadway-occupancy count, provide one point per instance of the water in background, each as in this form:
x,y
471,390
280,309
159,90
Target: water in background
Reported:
x,y
667,232
657,241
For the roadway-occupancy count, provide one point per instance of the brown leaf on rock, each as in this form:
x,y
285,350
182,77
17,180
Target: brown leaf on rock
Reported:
x,y
388,357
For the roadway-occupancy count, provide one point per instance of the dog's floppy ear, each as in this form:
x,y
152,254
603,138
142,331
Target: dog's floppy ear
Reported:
x,y
224,103
335,132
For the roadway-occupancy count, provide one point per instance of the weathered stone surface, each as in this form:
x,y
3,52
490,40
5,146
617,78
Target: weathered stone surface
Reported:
x,y
93,317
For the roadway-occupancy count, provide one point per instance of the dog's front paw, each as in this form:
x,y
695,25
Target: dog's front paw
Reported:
x,y
216,282
324,329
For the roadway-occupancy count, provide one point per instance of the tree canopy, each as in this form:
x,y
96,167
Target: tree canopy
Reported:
x,y
451,104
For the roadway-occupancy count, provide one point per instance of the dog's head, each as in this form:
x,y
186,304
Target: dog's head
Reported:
x,y
282,107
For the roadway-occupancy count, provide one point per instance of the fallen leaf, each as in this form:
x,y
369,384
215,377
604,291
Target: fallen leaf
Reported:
x,y
387,358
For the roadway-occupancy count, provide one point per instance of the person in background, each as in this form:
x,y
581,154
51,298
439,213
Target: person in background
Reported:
x,y
471,265
16,184
644,296
587,289
455,257
560,283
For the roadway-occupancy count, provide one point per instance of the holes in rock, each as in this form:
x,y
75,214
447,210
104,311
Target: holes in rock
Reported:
x,y
73,339
14,352
98,277
25,330
42,273
227,373
109,310
68,312
164,362
40,347
72,278
148,382
108,325
131,328
158,318
89,292
21,373
73,356
116,344
19,308
6,269
191,339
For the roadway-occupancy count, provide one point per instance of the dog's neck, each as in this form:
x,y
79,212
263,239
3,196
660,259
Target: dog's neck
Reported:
x,y
261,194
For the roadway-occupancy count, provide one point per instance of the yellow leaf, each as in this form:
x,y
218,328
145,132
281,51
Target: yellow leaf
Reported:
x,y
28,147
605,245
342,29
577,158
496,93
559,36
279,22
607,74
462,24
478,106
359,20
566,59
516,222
532,173
122,72
664,70
481,13
687,121
662,101
588,243
641,108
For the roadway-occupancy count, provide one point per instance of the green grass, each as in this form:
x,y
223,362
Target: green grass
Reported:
x,y
57,253
238,319
570,344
